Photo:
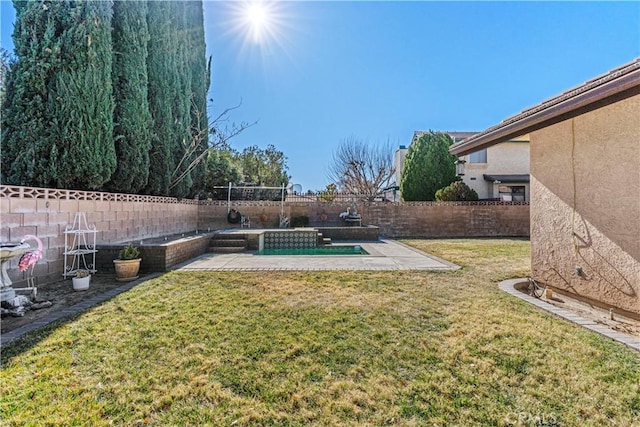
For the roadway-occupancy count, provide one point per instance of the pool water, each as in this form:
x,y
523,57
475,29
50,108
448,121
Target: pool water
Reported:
x,y
320,250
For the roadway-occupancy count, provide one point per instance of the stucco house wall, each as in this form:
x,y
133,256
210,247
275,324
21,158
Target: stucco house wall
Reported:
x,y
510,157
585,210
585,186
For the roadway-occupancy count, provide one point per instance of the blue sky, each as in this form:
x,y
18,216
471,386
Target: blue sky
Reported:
x,y
381,70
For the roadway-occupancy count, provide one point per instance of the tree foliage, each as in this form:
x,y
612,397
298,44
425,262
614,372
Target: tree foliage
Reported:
x,y
252,166
266,167
5,65
359,167
217,134
178,83
200,75
328,194
29,155
457,191
221,169
166,95
58,112
132,119
82,124
428,167
82,110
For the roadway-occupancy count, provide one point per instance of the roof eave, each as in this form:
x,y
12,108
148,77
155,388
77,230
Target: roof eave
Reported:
x,y
612,91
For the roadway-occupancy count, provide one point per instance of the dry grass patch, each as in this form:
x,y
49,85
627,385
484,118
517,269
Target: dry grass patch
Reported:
x,y
324,348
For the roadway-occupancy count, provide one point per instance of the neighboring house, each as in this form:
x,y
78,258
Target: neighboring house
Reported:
x,y
401,152
499,172
585,187
399,157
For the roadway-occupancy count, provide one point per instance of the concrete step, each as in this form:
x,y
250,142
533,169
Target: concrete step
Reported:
x,y
227,249
323,240
229,242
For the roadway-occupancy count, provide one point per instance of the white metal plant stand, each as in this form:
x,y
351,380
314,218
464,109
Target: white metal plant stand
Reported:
x,y
79,246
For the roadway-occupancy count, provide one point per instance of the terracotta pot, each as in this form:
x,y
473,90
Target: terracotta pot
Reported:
x,y
127,269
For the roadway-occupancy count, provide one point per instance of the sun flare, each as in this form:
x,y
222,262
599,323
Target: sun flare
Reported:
x,y
261,27
259,21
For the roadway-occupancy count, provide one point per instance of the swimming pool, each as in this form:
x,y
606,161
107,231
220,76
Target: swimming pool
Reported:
x,y
319,250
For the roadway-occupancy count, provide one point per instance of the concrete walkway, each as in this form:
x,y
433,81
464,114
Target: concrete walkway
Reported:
x,y
383,255
630,341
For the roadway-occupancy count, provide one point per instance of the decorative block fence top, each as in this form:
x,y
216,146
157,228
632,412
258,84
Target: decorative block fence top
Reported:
x,y
9,191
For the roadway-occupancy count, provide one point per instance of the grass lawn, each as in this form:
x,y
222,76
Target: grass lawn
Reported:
x,y
324,348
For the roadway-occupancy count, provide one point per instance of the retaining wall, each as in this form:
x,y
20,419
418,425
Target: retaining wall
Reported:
x,y
156,256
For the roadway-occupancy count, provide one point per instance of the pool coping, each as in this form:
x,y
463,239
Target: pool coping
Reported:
x,y
509,286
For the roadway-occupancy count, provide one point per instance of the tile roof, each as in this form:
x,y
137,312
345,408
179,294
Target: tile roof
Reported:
x,y
619,83
452,134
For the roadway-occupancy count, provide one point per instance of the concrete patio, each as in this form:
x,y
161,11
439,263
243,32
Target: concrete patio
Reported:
x,y
384,254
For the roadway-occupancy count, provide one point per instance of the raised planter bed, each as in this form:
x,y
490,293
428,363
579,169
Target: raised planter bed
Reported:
x,y
159,253
365,233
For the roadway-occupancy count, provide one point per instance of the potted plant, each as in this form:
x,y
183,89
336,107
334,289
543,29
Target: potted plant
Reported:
x,y
81,280
128,263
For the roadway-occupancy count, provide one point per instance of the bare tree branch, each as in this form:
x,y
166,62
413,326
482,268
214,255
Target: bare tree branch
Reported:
x,y
361,168
205,139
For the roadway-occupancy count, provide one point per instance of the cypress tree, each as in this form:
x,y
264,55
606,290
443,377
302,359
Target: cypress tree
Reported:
x,y
158,72
178,84
181,141
200,81
57,116
428,167
132,119
28,146
82,104
166,94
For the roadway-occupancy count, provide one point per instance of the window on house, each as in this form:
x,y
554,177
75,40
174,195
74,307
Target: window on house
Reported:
x,y
512,193
478,156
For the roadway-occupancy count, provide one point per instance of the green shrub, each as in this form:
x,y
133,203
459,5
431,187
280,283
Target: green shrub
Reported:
x,y
300,221
456,192
129,252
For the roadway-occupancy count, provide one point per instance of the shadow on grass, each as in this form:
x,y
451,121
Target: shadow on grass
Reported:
x,y
30,339
34,335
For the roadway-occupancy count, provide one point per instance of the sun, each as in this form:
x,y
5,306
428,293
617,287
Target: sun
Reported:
x,y
260,27
259,20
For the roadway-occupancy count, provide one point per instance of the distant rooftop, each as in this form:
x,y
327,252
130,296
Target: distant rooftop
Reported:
x,y
455,135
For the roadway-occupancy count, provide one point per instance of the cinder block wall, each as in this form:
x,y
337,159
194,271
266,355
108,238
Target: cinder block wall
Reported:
x,y
122,218
212,215
450,219
416,219
117,217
